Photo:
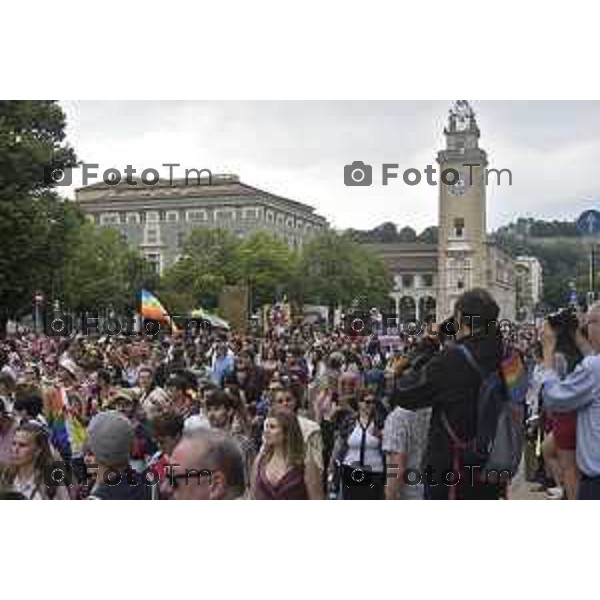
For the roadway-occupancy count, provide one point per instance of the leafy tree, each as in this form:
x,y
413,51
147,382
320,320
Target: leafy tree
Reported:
x,y
185,285
385,233
31,144
562,259
101,271
407,234
335,270
429,235
269,267
210,261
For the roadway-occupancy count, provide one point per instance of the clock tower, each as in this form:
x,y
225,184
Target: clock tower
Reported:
x,y
462,247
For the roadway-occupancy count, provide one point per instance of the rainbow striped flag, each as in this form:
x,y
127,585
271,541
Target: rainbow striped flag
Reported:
x,y
56,414
151,308
515,376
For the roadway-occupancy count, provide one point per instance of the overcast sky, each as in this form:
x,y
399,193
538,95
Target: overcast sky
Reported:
x,y
299,149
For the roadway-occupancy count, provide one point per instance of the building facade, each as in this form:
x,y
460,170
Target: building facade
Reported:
x,y
156,219
529,287
415,271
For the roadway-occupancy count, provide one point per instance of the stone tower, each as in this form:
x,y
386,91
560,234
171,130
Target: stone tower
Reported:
x,y
462,217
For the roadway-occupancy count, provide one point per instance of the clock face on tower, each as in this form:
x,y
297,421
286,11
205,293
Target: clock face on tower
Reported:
x,y
461,186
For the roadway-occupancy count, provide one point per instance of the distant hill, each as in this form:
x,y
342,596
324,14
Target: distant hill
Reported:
x,y
563,253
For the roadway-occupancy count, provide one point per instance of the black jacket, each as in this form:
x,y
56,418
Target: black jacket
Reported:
x,y
449,385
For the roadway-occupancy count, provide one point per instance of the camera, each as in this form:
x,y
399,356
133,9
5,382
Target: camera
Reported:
x,y
358,324
358,173
357,475
424,350
565,323
58,324
54,175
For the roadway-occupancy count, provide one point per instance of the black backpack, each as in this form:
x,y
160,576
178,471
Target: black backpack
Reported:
x,y
498,443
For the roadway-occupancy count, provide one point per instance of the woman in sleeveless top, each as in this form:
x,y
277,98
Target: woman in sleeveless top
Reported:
x,y
279,468
358,451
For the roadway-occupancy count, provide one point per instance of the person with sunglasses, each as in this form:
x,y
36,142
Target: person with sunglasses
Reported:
x,y
358,456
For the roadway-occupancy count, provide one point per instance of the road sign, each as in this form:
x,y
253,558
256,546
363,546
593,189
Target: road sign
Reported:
x,y
573,298
38,298
588,222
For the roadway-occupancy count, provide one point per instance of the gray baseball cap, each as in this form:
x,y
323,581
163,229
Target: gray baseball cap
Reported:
x,y
110,436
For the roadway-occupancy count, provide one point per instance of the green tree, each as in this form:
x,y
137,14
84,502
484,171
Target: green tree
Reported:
x,y
210,261
429,235
269,267
102,271
31,146
335,270
385,233
407,234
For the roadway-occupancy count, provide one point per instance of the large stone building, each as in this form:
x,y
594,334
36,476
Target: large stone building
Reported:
x,y
157,218
430,277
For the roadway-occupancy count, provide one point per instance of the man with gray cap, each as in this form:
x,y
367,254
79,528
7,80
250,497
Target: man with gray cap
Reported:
x,y
110,436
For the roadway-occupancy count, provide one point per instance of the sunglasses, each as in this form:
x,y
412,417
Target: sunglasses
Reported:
x,y
367,402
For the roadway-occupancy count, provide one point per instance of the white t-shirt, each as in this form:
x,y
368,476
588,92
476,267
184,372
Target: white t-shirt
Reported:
x,y
372,455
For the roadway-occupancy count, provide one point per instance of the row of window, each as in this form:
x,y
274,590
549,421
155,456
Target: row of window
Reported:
x,y
408,281
201,215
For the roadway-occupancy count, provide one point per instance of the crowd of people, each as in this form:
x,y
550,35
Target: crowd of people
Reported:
x,y
295,413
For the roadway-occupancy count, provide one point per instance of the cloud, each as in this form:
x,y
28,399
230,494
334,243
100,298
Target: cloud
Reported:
x,y
299,149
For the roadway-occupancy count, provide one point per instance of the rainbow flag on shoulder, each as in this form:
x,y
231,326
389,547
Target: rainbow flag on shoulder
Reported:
x,y
56,414
151,308
515,376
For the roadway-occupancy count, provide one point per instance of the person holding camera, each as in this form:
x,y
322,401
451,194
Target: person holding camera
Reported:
x,y
450,385
578,392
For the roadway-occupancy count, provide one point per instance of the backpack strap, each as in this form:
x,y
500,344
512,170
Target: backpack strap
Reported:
x,y
470,359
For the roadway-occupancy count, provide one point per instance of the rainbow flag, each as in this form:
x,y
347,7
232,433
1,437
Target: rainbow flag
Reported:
x,y
151,308
515,376
56,414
